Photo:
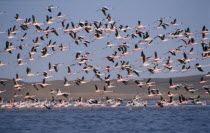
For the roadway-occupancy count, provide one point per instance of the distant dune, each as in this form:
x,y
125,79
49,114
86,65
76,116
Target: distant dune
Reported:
x,y
120,90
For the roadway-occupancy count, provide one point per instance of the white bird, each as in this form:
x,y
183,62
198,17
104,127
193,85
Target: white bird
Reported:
x,y
2,91
65,94
66,82
97,90
105,91
2,64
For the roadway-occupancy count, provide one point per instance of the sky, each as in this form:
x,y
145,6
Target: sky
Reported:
x,y
191,13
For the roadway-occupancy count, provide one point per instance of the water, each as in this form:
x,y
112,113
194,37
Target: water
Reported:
x,y
186,119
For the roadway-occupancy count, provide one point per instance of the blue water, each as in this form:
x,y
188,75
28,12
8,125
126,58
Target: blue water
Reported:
x,y
185,119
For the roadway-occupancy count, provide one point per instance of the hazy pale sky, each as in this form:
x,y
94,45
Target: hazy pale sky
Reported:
x,y
191,13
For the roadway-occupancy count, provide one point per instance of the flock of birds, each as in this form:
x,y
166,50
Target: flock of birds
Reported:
x,y
127,62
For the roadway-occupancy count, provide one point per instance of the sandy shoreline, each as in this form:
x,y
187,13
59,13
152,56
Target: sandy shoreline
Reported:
x,y
120,90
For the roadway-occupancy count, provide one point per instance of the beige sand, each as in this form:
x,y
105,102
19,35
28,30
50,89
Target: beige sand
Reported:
x,y
87,90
